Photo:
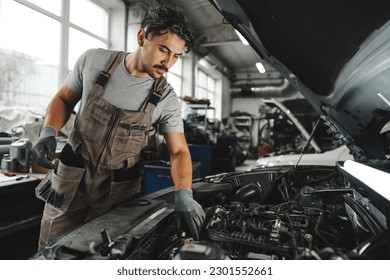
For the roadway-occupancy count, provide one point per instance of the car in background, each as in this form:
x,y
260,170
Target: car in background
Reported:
x,y
327,158
285,127
337,54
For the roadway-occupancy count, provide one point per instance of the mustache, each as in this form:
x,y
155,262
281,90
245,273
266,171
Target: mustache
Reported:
x,y
161,67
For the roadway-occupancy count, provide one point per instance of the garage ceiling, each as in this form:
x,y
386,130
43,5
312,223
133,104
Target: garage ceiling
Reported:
x,y
217,39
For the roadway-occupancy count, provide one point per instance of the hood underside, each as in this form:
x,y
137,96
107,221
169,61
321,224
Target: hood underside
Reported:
x,y
336,53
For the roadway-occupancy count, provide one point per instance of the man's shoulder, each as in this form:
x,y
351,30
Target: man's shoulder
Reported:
x,y
97,53
95,58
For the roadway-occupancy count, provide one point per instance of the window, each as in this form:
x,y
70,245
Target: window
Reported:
x,y
175,78
79,42
94,21
87,31
29,60
205,89
53,6
40,41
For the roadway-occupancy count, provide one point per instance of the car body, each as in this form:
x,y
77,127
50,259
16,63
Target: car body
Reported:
x,y
337,54
328,158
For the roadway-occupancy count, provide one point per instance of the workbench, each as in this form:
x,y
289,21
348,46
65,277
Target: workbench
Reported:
x,y
20,215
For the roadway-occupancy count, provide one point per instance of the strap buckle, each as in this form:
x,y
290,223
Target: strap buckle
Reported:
x,y
103,78
155,97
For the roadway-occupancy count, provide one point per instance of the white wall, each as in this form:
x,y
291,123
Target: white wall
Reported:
x,y
247,105
226,102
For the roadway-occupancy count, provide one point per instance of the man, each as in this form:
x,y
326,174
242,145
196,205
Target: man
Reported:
x,y
122,97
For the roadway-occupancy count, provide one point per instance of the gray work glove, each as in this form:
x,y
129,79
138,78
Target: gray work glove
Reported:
x,y
189,213
44,151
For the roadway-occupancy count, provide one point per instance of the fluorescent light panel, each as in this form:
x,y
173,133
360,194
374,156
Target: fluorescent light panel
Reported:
x,y
260,67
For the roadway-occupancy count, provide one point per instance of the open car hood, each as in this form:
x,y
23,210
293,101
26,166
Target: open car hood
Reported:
x,y
336,53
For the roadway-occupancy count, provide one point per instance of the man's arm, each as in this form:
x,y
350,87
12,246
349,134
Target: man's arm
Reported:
x,y
57,114
60,108
190,215
181,164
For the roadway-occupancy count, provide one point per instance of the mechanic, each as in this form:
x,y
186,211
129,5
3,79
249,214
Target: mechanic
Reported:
x,y
124,96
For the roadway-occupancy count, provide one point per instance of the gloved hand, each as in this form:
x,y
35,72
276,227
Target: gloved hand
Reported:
x,y
43,152
189,213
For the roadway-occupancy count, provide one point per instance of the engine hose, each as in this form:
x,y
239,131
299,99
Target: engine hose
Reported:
x,y
317,231
293,239
359,209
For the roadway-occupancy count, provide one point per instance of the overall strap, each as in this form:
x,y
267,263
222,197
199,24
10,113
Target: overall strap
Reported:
x,y
113,61
155,95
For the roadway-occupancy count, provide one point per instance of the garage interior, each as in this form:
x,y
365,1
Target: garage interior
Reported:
x,y
232,110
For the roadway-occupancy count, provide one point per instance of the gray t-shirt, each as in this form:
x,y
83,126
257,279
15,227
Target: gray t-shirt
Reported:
x,y
124,90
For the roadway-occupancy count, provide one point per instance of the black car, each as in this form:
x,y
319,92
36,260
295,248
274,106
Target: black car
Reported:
x,y
337,54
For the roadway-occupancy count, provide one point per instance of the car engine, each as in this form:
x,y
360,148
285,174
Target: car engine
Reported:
x,y
292,213
310,213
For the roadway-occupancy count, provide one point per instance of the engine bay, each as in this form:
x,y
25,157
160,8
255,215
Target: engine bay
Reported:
x,y
293,213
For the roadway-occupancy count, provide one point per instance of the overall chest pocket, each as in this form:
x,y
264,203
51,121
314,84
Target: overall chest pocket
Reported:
x,y
130,137
95,124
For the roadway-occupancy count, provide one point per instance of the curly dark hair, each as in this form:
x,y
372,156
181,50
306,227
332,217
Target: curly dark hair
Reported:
x,y
163,19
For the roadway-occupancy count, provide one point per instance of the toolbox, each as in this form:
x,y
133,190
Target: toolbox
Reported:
x,y
157,175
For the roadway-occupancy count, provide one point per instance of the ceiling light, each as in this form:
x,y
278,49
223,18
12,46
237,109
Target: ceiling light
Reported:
x,y
260,67
243,40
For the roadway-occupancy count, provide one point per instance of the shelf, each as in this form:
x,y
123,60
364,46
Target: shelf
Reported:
x,y
189,108
244,124
242,121
199,106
